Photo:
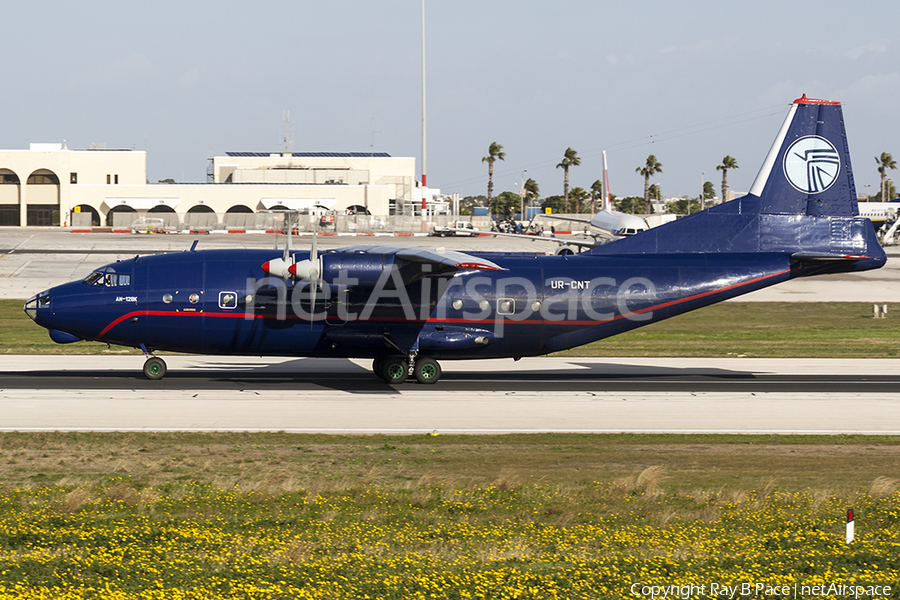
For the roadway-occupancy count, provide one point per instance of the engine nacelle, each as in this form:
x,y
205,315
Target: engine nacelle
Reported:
x,y
365,269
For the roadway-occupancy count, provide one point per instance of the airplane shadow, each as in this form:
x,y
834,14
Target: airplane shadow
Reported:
x,y
307,375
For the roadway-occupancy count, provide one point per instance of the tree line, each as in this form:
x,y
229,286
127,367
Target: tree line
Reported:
x,y
578,200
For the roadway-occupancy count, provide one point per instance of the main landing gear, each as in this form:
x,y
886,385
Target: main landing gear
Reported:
x,y
397,369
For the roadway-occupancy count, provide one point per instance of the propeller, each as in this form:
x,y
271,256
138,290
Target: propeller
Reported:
x,y
310,269
279,266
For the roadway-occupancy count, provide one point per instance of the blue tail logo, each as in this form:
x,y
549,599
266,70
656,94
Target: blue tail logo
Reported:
x,y
812,164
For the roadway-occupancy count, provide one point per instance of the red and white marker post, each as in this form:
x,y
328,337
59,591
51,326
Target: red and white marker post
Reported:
x,y
850,526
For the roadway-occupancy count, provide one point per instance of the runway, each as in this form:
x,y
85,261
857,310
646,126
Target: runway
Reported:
x,y
342,396
539,394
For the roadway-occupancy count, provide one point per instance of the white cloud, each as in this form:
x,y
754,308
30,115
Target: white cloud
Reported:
x,y
876,47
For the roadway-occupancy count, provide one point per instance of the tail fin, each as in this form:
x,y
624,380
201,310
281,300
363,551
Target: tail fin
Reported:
x,y
807,170
802,203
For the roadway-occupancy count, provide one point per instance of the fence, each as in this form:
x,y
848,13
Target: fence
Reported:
x,y
272,221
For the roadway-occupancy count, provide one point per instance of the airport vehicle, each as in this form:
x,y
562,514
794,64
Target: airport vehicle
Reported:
x,y
463,228
148,225
407,308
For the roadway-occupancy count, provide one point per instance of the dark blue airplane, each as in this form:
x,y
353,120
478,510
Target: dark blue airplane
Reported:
x,y
407,308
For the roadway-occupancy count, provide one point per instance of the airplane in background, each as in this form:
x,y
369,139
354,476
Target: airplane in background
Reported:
x,y
879,213
610,225
406,308
613,224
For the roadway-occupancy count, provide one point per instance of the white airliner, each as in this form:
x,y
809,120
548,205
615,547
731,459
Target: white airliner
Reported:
x,y
612,223
879,212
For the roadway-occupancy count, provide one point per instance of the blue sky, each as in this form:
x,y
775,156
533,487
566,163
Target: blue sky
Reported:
x,y
689,82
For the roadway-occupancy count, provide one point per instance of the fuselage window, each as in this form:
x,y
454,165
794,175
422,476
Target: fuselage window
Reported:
x,y
111,280
227,300
124,279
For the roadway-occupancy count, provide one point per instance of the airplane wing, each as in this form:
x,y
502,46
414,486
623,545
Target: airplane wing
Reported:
x,y
440,259
541,238
562,218
606,234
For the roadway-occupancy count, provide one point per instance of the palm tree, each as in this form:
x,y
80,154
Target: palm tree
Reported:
x,y
652,167
495,152
729,162
579,199
570,159
709,192
885,162
532,191
596,192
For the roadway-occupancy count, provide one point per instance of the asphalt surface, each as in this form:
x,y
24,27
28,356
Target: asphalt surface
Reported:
x,y
496,396
352,376
323,395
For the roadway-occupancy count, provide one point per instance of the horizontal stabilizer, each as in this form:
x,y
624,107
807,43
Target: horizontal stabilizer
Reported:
x,y
817,256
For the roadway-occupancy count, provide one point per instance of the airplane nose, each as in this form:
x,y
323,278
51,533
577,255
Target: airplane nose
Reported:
x,y
36,303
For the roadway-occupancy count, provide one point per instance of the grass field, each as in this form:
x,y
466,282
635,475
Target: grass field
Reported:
x,y
731,329
188,515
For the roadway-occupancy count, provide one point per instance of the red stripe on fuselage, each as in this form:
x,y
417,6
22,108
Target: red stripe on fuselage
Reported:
x,y
167,313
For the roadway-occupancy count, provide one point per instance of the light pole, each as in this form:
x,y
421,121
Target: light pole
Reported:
x,y
868,185
702,199
424,145
522,196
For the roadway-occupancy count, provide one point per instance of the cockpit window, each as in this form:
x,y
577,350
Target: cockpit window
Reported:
x,y
95,278
107,277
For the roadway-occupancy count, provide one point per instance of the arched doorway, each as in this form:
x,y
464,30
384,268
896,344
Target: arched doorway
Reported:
x,y
167,214
42,195
200,218
9,198
85,215
240,218
120,216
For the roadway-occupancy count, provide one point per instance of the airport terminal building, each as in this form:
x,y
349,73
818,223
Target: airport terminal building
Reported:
x,y
50,184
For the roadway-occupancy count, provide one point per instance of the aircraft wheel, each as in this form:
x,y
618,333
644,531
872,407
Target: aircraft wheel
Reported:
x,y
378,367
154,368
394,370
427,370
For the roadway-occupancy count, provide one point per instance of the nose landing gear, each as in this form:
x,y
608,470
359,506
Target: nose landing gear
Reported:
x,y
154,368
